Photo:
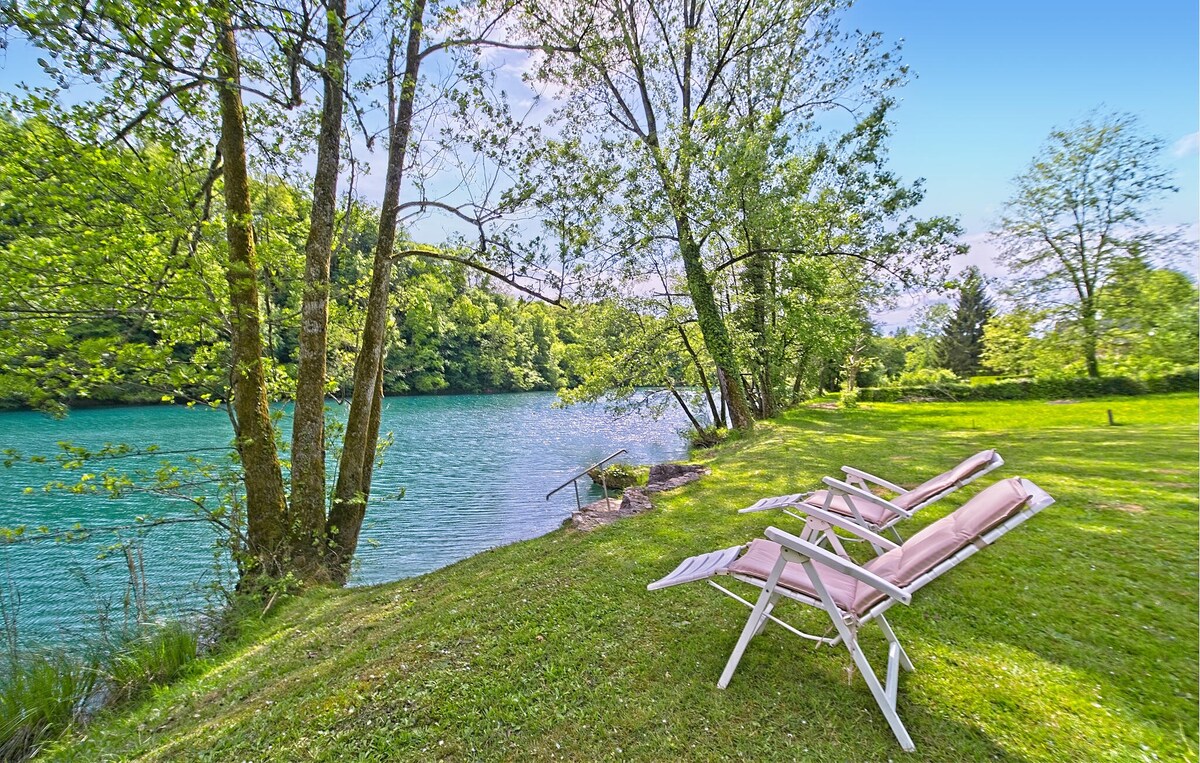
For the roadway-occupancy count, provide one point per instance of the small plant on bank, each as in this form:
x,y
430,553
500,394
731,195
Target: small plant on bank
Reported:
x,y
154,658
709,437
849,399
620,476
40,696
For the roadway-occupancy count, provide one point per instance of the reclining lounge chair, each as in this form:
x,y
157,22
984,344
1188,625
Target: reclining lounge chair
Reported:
x,y
785,566
853,498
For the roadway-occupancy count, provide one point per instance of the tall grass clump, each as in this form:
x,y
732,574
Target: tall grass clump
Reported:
x,y
154,657
40,696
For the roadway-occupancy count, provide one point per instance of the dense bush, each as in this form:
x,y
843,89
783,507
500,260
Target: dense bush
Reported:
x,y
923,377
1039,389
709,437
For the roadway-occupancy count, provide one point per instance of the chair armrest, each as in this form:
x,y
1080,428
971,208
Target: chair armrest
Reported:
x,y
848,489
835,562
868,477
845,523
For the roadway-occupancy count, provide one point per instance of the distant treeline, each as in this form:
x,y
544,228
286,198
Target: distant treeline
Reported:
x,y
111,290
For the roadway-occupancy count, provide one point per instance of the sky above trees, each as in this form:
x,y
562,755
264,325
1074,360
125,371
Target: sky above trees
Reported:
x,y
994,78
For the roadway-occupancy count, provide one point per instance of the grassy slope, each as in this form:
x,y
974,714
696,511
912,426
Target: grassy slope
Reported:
x,y
1074,638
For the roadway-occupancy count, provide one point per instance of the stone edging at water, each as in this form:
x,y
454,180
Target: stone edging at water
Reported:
x,y
636,500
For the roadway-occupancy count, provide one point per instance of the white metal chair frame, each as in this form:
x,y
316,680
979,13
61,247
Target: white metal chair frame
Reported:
x,y
847,624
856,486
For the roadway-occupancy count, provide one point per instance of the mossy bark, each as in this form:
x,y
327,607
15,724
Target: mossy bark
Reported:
x,y
362,425
712,327
266,503
308,422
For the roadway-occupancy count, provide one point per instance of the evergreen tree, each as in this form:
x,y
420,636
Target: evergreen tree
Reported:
x,y
962,337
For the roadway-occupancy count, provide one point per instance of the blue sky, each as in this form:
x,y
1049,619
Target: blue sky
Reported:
x,y
992,80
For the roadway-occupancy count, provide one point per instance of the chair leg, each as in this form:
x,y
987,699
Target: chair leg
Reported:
x,y
850,637
886,703
753,623
770,608
890,635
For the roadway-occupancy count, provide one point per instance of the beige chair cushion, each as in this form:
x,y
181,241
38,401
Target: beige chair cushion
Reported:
x,y
900,566
872,512
945,480
760,558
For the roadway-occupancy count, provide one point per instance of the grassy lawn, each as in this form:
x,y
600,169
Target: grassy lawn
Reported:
x,y
1073,639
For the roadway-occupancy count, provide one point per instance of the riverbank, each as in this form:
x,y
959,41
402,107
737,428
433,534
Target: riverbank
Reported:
x,y
1071,639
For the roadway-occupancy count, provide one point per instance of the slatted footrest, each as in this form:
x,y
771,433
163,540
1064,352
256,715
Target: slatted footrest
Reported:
x,y
699,567
777,502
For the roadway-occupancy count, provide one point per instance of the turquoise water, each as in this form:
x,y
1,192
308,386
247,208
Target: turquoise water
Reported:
x,y
474,471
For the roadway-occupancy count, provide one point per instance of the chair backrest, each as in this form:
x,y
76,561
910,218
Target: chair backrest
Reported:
x,y
939,541
946,480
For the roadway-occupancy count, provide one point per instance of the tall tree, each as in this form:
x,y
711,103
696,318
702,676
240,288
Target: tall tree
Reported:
x,y
1080,212
962,337
653,78
307,508
266,500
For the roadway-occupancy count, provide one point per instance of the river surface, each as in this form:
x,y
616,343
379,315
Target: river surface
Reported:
x,y
465,473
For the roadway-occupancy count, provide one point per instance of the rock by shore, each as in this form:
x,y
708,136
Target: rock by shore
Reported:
x,y
636,500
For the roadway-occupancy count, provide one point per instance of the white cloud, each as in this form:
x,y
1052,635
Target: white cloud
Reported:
x,y
1186,146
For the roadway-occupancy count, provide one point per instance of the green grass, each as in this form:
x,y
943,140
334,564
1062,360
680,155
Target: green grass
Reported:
x,y
40,696
1073,639
154,657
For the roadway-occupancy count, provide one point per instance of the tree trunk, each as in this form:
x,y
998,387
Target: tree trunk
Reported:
x,y
1090,342
713,329
358,450
713,408
687,411
266,504
798,384
757,288
308,423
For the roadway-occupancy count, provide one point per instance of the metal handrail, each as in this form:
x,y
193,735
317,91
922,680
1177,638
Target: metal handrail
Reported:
x,y
603,482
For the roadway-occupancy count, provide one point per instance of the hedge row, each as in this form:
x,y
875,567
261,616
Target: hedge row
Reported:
x,y
1039,389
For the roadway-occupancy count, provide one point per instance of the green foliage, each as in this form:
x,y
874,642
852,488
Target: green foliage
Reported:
x,y
1027,343
1149,320
455,337
100,288
925,376
40,697
1051,388
157,656
620,476
849,399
